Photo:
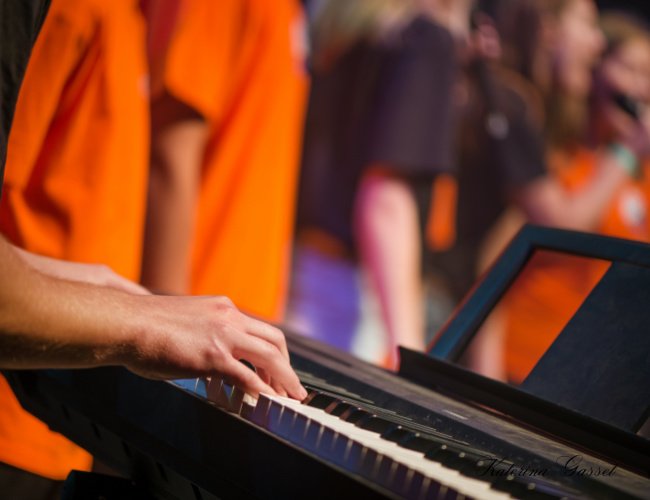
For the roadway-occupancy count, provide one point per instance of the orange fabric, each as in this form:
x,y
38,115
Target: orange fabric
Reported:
x,y
235,62
553,287
76,170
441,222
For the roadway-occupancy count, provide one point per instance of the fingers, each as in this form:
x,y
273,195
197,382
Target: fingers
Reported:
x,y
268,333
267,357
246,379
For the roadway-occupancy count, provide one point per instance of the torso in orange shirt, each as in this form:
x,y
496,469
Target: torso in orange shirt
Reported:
x,y
553,287
235,61
75,180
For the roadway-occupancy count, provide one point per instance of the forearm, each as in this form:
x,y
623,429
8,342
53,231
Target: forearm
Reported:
x,y
388,234
168,235
547,202
96,274
46,322
178,145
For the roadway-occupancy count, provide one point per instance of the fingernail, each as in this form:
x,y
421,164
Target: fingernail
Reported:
x,y
303,393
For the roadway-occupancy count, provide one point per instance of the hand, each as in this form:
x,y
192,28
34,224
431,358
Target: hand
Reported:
x,y
94,274
634,134
208,336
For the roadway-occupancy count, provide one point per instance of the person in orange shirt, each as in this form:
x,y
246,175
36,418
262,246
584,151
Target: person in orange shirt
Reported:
x,y
76,171
59,314
553,287
226,139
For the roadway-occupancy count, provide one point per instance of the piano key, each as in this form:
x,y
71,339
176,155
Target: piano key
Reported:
x,y
415,488
338,408
418,442
354,415
286,424
312,435
410,459
528,488
370,463
374,423
261,410
320,400
396,434
327,440
400,478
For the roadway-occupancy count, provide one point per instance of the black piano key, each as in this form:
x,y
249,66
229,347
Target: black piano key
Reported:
x,y
477,469
526,488
396,434
374,423
453,457
354,415
417,442
338,408
320,400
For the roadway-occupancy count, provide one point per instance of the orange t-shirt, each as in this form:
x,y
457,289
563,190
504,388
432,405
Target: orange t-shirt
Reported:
x,y
553,286
235,62
76,172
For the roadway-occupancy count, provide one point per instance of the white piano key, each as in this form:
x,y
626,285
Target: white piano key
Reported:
x,y
412,459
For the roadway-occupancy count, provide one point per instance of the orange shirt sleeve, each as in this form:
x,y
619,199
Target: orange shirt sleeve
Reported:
x,y
200,54
64,39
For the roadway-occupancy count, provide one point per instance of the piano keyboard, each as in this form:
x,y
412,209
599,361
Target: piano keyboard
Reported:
x,y
404,462
361,433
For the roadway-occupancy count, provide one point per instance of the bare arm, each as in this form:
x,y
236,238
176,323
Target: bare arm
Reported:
x,y
49,322
546,202
96,274
388,238
178,141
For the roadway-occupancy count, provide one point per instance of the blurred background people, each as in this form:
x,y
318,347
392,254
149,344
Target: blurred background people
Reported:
x,y
75,185
618,129
524,125
379,123
227,121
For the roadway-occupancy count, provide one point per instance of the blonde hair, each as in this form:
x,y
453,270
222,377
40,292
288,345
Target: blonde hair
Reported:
x,y
620,28
341,24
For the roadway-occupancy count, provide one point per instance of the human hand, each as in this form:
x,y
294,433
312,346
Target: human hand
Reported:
x,y
94,274
209,336
632,133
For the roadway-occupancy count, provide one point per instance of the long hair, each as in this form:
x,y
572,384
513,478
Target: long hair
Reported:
x,y
522,25
341,24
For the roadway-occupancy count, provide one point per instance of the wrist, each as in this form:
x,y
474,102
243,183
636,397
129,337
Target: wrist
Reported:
x,y
624,157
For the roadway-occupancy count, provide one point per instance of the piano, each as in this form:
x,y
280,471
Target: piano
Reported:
x,y
435,430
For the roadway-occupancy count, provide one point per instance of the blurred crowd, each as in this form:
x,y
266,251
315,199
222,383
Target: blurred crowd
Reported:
x,y
345,168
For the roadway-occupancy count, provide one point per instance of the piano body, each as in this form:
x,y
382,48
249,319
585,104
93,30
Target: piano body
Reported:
x,y
433,431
